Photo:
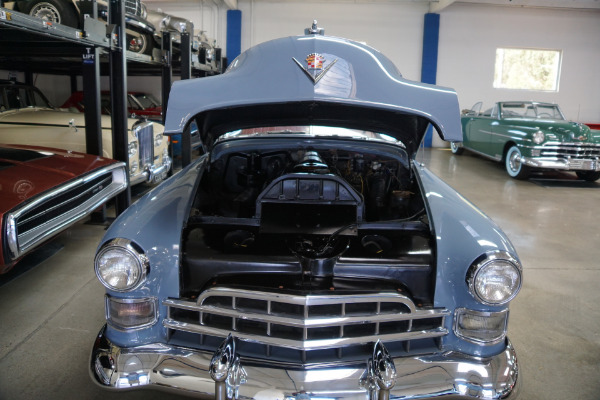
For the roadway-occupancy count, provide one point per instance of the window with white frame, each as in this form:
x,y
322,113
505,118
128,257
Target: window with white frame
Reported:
x,y
527,69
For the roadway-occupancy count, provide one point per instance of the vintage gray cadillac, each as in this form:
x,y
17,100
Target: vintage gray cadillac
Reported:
x,y
306,254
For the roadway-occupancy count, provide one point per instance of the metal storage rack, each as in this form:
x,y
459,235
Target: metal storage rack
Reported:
x,y
32,45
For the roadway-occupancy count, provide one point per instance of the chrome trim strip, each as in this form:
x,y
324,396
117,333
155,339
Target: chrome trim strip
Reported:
x,y
568,144
186,371
511,137
33,237
494,158
305,344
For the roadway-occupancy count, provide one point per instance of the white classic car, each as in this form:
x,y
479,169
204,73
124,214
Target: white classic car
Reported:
x,y
26,117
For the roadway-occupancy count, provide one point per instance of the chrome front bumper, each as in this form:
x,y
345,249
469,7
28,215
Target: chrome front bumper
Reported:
x,y
573,164
152,174
224,375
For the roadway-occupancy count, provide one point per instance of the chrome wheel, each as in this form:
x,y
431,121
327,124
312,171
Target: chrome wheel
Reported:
x,y
47,12
513,164
53,11
139,44
456,147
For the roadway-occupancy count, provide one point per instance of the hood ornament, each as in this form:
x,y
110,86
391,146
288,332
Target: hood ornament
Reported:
x,y
314,29
314,66
580,138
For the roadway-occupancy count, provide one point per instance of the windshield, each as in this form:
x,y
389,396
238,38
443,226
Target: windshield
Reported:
x,y
531,110
146,100
312,130
16,97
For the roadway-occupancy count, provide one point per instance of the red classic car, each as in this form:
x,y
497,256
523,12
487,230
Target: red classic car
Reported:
x,y
44,191
138,104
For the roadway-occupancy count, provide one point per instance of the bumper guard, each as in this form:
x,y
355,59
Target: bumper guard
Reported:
x,y
223,375
153,173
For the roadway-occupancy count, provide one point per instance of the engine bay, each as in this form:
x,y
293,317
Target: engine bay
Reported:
x,y
307,210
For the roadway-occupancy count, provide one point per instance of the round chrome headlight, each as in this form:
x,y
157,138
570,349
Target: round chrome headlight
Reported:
x,y
496,279
158,139
539,137
120,266
132,148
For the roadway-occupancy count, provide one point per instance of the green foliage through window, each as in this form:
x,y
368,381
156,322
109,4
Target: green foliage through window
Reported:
x,y
527,69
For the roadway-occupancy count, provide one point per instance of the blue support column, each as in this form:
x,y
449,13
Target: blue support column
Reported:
x,y
234,34
431,36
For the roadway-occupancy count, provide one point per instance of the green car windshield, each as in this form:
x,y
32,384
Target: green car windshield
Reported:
x,y
531,110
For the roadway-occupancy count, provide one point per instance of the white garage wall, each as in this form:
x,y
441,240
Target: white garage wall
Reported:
x,y
395,29
470,34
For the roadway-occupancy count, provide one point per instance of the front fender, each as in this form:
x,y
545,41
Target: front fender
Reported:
x,y
156,222
462,234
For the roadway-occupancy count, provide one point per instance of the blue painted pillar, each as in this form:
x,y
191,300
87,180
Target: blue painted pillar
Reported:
x,y
431,37
234,34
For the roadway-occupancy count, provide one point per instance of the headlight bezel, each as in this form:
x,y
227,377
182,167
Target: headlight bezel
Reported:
x,y
141,262
485,262
539,137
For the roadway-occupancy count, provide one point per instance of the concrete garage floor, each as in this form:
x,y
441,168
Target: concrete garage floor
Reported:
x,y
51,313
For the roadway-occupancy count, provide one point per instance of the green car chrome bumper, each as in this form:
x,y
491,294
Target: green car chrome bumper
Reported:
x,y
161,366
569,164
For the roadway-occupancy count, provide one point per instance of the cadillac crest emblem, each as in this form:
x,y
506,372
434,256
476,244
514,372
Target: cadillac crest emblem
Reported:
x,y
315,66
315,61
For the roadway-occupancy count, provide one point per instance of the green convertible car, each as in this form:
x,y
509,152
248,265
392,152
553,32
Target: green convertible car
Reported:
x,y
527,135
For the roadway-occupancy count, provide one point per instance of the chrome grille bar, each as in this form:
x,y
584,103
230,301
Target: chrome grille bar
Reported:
x,y
133,7
145,135
315,344
305,322
575,150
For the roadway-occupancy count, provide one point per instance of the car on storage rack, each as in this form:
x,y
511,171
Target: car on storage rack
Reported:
x,y
528,135
208,53
26,117
44,191
67,12
307,254
164,22
139,105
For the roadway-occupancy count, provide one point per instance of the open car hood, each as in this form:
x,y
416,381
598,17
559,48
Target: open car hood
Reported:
x,y
314,80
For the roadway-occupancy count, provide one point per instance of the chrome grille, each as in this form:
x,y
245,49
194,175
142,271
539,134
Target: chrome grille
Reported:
x,y
59,205
305,322
145,135
570,150
56,209
133,7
